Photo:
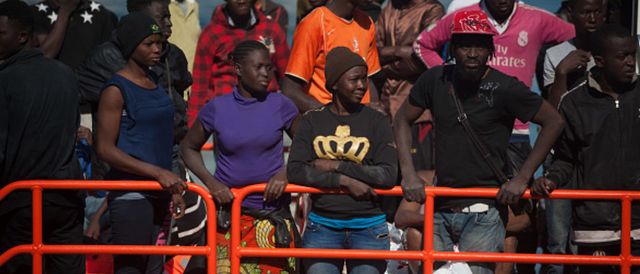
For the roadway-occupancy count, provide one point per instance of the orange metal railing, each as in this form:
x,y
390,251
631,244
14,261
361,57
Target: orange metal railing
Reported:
x,y
38,248
428,255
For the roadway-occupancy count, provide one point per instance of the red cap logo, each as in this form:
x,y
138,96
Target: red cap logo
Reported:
x,y
471,22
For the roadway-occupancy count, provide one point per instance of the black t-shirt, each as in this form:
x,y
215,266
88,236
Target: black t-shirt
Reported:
x,y
491,111
89,25
362,141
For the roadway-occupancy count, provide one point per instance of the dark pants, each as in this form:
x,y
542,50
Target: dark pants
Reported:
x,y
136,222
61,225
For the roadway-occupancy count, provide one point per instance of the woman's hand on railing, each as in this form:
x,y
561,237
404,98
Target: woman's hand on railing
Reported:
x,y
177,206
220,192
170,181
276,185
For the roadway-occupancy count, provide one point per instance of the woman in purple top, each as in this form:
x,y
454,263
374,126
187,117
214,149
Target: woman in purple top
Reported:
x,y
247,127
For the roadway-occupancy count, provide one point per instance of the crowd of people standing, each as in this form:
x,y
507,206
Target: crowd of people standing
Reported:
x,y
373,94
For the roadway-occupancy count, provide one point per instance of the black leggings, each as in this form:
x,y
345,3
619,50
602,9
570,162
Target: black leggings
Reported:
x,y
137,222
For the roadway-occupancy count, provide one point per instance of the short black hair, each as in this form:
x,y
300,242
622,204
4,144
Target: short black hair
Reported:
x,y
484,40
140,5
601,37
243,49
19,13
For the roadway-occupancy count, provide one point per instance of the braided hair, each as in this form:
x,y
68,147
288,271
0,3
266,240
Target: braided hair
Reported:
x,y
242,50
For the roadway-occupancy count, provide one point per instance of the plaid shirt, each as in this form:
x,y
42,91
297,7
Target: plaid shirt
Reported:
x,y
213,73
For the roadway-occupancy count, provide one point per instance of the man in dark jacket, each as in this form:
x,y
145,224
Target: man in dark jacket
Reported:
x,y
172,73
38,123
601,144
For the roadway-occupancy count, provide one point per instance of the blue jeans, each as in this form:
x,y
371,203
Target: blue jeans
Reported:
x,y
472,232
320,236
558,218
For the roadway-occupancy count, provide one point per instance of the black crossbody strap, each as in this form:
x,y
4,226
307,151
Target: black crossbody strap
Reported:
x,y
473,137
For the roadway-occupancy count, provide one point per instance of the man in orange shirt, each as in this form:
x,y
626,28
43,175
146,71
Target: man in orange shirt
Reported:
x,y
339,23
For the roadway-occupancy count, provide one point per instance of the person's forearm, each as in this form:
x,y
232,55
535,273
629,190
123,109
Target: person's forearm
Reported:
x,y
103,207
558,88
301,99
547,137
406,218
378,176
387,55
375,85
119,160
304,174
402,132
194,162
53,43
560,172
407,69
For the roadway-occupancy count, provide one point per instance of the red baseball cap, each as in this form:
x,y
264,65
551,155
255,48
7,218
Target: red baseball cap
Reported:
x,y
471,22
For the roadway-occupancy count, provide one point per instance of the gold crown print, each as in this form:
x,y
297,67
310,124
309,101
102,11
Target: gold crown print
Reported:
x,y
341,146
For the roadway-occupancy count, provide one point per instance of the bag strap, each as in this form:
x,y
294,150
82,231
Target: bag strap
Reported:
x,y
168,71
473,137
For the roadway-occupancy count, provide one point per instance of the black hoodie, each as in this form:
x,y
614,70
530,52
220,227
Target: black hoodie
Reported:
x,y
601,144
39,118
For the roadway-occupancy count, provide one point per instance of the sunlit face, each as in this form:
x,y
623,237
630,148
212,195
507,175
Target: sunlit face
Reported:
x,y
255,71
587,15
619,60
148,51
351,86
471,54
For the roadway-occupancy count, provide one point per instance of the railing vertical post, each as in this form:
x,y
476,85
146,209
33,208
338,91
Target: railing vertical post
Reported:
x,y
427,261
37,229
234,248
211,234
625,236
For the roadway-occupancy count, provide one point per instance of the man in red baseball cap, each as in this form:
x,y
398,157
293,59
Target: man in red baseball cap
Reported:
x,y
474,108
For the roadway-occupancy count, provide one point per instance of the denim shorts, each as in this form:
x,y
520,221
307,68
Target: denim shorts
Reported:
x,y
472,232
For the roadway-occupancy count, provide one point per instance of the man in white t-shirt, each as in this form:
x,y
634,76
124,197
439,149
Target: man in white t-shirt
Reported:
x,y
566,62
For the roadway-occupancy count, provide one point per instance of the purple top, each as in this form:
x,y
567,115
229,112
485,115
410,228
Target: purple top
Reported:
x,y
248,139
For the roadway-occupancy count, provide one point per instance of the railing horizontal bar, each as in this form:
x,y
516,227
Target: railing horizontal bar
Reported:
x,y
125,249
330,253
466,192
438,256
526,258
